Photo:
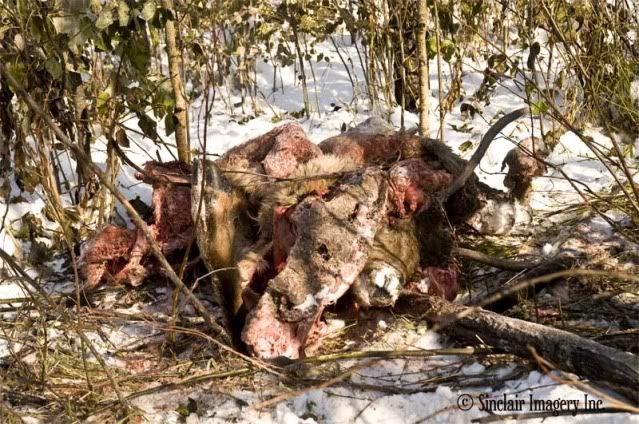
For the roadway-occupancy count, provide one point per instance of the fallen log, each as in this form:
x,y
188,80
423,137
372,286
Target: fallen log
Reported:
x,y
601,364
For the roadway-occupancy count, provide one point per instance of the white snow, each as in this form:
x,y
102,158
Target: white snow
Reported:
x,y
343,404
388,279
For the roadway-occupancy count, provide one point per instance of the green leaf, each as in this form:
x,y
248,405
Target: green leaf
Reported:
x,y
148,10
529,90
183,410
53,66
81,30
73,79
73,7
167,99
17,71
447,48
155,36
66,24
138,53
102,101
37,28
539,108
431,47
105,19
123,13
465,146
103,42
23,7
169,124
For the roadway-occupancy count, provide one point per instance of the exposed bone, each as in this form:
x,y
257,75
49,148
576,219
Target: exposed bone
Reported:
x,y
392,261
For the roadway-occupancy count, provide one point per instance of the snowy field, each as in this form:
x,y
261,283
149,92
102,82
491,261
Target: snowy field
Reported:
x,y
362,396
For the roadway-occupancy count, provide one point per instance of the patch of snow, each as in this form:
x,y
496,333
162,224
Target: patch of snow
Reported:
x,y
430,340
473,369
388,279
548,249
634,88
9,290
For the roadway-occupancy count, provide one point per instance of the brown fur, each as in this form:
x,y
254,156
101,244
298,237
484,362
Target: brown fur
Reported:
x,y
245,176
221,229
396,244
277,153
523,165
303,182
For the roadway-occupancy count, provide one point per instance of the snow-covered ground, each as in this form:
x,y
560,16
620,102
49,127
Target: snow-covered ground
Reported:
x,y
341,403
346,404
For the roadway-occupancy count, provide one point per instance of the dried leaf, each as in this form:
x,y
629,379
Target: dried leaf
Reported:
x,y
105,19
121,138
123,13
148,10
53,66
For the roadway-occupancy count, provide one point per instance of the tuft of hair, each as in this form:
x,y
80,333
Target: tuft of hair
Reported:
x,y
252,261
315,176
245,176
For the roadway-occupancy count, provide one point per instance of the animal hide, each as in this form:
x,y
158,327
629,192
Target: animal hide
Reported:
x,y
357,212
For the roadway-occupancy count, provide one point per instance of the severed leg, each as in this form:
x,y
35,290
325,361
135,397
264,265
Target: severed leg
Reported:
x,y
217,210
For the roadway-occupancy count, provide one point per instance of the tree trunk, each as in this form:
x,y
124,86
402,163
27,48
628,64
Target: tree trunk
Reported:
x,y
300,56
180,113
424,92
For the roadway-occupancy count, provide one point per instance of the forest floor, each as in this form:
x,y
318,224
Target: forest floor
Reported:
x,y
128,326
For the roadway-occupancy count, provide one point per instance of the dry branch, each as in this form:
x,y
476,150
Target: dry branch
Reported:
x,y
135,217
600,364
507,295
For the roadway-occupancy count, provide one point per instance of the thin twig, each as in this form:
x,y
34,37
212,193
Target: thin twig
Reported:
x,y
135,217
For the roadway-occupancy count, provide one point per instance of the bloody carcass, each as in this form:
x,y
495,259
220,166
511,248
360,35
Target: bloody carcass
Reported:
x,y
288,227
